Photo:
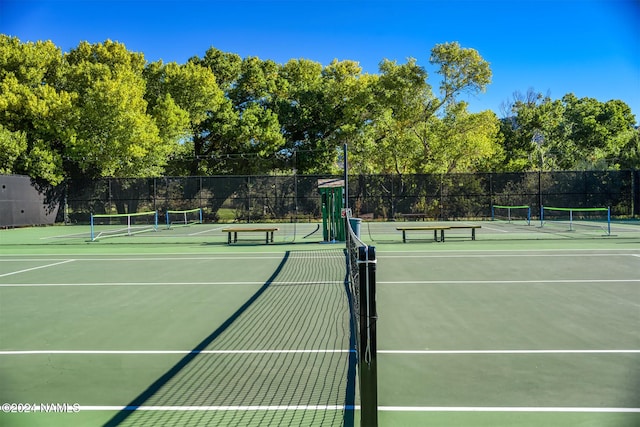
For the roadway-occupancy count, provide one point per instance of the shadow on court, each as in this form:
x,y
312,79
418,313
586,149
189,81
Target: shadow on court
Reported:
x,y
286,346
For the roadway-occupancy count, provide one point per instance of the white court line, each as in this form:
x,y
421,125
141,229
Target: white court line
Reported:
x,y
159,258
36,268
306,351
68,236
484,227
35,285
503,409
200,258
450,352
223,408
506,255
390,254
357,407
205,231
381,282
163,257
138,254
33,260
502,282
159,352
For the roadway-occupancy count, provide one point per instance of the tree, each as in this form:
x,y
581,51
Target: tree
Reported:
x,y
462,70
416,131
242,129
320,109
114,134
460,142
35,114
399,98
593,131
12,146
225,66
629,157
182,98
535,132
569,133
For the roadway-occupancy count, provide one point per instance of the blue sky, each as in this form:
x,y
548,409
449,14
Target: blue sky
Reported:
x,y
588,47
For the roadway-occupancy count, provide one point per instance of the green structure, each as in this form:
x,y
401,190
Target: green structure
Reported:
x,y
332,193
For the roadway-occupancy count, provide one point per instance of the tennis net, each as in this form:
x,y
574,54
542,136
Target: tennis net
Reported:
x,y
511,214
590,220
361,268
115,225
185,217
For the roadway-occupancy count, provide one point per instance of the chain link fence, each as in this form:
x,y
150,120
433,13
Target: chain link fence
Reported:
x,y
296,197
380,197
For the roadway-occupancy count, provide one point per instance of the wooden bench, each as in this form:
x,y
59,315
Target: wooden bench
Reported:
x,y
437,228
414,216
235,230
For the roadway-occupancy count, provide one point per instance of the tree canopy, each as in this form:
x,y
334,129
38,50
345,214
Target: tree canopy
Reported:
x,y
102,110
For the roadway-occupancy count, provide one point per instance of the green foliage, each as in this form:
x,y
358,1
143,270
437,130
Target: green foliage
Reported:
x,y
34,113
416,132
115,136
462,70
12,145
570,133
102,110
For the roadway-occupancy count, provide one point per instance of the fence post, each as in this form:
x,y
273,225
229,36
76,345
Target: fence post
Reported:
x,y
635,194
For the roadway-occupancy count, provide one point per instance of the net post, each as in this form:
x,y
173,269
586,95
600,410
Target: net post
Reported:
x,y
493,213
200,215
570,219
368,342
92,228
608,220
167,217
528,215
541,216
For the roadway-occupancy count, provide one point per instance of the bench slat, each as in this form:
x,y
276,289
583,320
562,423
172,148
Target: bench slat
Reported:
x,y
426,227
244,229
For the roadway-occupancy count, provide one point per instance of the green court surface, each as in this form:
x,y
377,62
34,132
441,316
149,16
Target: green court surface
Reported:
x,y
521,327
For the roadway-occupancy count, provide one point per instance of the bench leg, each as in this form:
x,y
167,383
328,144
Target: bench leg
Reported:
x,y
404,236
473,234
235,237
229,238
442,235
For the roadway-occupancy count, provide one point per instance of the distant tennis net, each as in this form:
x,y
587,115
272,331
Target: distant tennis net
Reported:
x,y
511,213
115,225
596,219
361,267
176,218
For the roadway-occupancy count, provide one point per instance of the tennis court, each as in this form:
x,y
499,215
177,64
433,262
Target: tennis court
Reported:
x,y
521,327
